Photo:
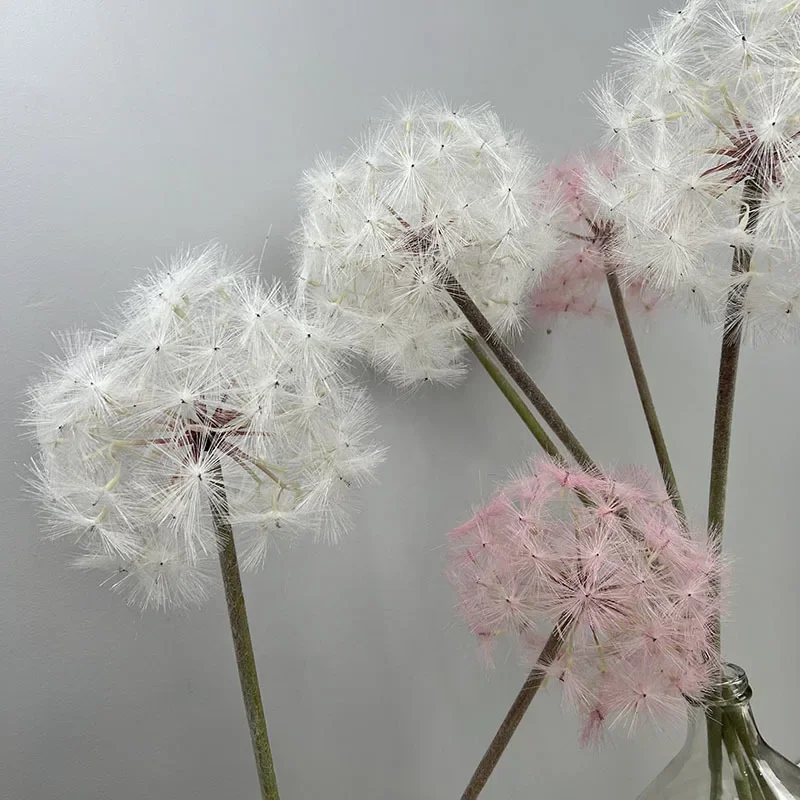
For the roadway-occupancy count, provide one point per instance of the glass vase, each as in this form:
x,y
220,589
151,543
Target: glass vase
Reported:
x,y
724,756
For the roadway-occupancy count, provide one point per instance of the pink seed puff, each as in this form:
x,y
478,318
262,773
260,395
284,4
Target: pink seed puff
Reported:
x,y
573,284
606,557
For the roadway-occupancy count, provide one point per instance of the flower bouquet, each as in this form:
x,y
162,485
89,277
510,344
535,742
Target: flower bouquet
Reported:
x,y
214,412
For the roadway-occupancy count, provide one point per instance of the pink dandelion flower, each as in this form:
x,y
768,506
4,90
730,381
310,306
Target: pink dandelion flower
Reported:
x,y
607,560
575,282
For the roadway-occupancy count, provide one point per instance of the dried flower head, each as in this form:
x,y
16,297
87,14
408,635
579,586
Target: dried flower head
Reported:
x,y
703,117
208,391
434,189
574,284
607,561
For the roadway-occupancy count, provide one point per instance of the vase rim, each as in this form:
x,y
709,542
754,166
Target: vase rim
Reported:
x,y
732,688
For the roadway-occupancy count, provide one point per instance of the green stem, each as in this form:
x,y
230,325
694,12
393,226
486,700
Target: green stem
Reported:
x,y
728,368
513,397
645,396
741,773
513,366
752,195
743,728
242,644
555,642
517,711
714,734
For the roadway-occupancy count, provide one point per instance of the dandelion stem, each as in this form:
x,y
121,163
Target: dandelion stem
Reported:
x,y
741,773
645,396
521,407
269,473
555,642
714,735
242,644
737,717
752,195
728,369
517,711
513,397
513,366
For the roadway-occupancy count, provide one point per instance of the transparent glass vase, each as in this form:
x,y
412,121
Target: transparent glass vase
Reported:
x,y
724,756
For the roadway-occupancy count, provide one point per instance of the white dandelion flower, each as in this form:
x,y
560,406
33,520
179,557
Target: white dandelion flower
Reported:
x,y
208,392
432,191
703,116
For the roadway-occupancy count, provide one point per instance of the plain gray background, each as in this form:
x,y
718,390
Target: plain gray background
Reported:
x,y
129,129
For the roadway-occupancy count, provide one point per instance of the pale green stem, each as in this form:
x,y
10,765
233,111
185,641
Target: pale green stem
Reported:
x,y
714,734
741,773
514,368
242,644
728,370
742,725
645,396
517,711
495,372
752,195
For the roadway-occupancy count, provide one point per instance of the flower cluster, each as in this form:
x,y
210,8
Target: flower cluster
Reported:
x,y
608,562
574,284
433,192
211,395
703,117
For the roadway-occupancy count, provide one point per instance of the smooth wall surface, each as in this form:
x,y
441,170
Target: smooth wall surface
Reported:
x,y
133,127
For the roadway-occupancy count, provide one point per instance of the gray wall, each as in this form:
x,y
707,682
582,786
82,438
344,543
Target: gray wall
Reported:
x,y
132,127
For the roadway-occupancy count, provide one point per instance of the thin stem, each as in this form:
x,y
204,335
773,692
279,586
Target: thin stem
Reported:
x,y
723,420
714,733
728,368
739,720
515,714
752,195
517,403
515,369
741,773
555,642
645,396
242,644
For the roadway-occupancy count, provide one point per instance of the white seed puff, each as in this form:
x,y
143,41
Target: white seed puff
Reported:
x,y
432,189
207,388
704,103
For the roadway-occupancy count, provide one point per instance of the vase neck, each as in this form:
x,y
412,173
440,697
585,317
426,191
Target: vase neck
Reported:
x,y
724,757
741,713
731,697
733,688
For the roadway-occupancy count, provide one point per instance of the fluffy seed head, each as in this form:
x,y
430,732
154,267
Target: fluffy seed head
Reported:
x,y
433,189
702,115
574,284
208,395
606,559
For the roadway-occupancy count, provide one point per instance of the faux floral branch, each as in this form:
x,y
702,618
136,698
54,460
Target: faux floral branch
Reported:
x,y
703,140
423,265
216,414
210,404
607,562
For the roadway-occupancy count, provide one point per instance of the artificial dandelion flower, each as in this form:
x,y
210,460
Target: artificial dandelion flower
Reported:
x,y
207,394
607,561
574,284
433,192
703,119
